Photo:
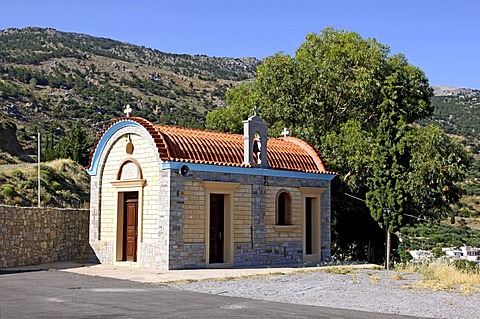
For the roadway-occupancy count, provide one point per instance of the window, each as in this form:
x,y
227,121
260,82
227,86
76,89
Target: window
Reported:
x,y
284,214
129,170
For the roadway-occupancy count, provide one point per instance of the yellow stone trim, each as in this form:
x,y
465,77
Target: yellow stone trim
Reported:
x,y
285,228
129,183
311,191
315,194
220,187
134,185
227,189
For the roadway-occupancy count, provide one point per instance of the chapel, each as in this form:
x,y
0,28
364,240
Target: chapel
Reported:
x,y
170,197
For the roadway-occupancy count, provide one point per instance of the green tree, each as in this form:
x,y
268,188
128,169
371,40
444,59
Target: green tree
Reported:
x,y
78,144
438,165
75,145
240,104
357,104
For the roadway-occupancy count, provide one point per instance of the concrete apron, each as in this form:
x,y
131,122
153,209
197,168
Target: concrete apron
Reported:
x,y
149,275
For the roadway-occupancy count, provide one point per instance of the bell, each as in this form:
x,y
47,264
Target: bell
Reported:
x,y
256,149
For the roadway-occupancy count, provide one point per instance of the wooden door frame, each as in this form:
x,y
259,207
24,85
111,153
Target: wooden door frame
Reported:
x,y
123,187
315,194
228,190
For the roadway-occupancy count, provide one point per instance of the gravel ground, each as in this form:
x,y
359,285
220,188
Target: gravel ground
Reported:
x,y
368,290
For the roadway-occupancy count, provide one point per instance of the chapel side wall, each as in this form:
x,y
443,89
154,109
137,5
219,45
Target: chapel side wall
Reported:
x,y
33,236
153,222
254,218
325,223
187,223
275,247
187,245
243,214
273,235
95,218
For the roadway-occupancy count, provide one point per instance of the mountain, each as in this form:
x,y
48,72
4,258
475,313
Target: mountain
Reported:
x,y
51,79
458,111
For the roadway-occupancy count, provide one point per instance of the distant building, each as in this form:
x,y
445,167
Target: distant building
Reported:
x,y
464,252
419,255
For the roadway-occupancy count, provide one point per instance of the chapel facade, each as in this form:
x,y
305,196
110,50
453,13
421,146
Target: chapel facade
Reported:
x,y
174,198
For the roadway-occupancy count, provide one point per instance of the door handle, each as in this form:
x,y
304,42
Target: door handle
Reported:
x,y
220,234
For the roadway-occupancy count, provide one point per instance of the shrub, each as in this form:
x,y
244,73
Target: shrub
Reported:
x,y
17,173
54,185
465,266
8,191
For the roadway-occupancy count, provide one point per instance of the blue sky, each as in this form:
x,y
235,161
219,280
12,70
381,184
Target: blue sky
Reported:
x,y
439,36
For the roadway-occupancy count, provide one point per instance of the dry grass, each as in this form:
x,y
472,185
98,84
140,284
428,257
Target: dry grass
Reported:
x,y
337,270
270,274
374,279
397,276
444,276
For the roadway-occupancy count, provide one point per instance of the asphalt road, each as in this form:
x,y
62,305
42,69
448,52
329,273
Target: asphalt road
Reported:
x,y
57,294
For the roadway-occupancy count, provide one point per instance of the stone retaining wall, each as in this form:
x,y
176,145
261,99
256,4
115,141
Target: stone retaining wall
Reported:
x,y
31,236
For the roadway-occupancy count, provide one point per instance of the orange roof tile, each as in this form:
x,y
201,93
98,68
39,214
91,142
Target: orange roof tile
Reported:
x,y
206,147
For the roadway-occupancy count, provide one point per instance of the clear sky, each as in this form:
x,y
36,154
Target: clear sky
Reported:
x,y
439,36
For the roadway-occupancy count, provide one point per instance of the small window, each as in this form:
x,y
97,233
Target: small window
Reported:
x,y
284,215
129,170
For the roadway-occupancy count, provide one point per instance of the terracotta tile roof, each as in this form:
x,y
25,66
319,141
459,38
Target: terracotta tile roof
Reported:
x,y
206,147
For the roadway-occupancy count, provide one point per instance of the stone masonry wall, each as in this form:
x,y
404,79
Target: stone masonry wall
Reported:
x,y
256,240
32,236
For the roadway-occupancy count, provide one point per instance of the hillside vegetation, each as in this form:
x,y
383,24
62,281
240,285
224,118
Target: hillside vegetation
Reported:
x,y
51,79
63,183
458,111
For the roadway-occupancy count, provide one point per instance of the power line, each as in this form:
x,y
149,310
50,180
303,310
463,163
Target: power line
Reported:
x,y
355,197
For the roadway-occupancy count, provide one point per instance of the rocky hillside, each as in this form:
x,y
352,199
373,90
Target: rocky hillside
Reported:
x,y
63,183
50,79
458,111
11,150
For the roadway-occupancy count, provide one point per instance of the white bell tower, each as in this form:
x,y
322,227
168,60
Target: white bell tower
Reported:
x,y
255,141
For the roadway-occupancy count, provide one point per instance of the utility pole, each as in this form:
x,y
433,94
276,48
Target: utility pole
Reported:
x,y
387,211
38,171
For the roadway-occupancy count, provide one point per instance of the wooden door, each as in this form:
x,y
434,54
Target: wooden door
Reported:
x,y
217,221
308,226
130,227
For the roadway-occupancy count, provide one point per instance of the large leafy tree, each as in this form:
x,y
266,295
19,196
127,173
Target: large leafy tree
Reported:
x,y
334,76
357,104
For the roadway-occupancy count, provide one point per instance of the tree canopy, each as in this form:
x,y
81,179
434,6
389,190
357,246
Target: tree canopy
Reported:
x,y
357,104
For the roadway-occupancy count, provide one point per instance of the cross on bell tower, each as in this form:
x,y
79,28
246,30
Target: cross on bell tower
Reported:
x,y
255,111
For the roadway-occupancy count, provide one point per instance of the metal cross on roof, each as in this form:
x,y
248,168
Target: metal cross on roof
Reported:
x,y
285,132
127,110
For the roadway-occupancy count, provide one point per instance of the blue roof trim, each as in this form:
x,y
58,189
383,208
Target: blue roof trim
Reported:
x,y
247,171
92,171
